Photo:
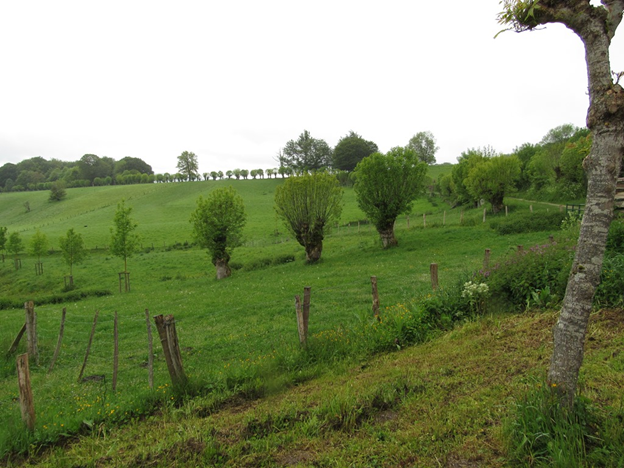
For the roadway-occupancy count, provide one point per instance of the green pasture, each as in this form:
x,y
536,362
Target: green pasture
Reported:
x,y
228,328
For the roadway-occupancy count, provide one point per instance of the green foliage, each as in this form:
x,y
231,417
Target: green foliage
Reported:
x,y
529,222
124,241
387,185
610,291
218,223
39,244
424,144
15,245
188,165
3,237
307,204
542,432
350,150
520,274
468,160
306,153
57,191
73,249
492,178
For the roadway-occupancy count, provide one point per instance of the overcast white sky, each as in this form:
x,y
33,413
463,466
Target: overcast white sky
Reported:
x,y
234,80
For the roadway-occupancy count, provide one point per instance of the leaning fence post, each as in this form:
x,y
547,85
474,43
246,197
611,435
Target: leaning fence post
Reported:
x,y
27,405
17,340
375,297
433,269
115,351
171,348
31,330
59,341
486,259
306,309
299,315
84,363
150,351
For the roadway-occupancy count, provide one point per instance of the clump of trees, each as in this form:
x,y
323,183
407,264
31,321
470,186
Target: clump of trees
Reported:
x,y
306,153
386,186
308,204
218,223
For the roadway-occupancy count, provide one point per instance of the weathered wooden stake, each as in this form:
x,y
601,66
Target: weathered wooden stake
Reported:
x,y
69,281
444,218
461,217
506,210
306,309
299,315
486,259
17,340
520,248
39,268
27,405
171,348
150,351
484,212
531,208
115,351
31,330
433,269
84,363
407,221
424,219
59,341
375,297
551,238
124,277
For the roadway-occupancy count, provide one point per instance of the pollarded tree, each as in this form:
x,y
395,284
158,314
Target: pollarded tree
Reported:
x,y
425,146
188,165
307,204
74,251
386,187
492,178
39,248
124,241
218,223
350,150
595,26
306,153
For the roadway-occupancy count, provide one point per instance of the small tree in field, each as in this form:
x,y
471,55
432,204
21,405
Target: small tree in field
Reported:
x,y
307,204
218,223
386,186
491,179
15,246
124,241
57,191
74,251
39,247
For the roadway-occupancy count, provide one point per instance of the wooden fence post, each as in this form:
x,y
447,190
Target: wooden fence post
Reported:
x,y
408,222
299,315
27,405
58,342
531,208
424,219
486,259
171,348
115,351
17,340
375,297
31,330
84,363
306,309
433,269
506,210
484,212
150,351
444,218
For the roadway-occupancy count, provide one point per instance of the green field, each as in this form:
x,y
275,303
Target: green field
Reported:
x,y
232,332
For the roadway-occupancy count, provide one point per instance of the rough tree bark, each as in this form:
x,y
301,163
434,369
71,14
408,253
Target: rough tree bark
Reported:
x,y
596,26
387,236
223,269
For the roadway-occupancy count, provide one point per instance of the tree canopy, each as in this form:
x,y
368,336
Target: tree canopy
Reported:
x,y
350,150
73,249
124,241
386,186
307,204
492,178
424,144
188,165
306,153
218,223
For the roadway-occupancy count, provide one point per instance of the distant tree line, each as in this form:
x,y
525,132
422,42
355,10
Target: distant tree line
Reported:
x,y
549,170
90,170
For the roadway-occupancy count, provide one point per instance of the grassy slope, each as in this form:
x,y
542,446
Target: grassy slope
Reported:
x,y
229,323
437,404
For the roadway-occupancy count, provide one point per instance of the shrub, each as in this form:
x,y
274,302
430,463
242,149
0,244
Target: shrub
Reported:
x,y
611,288
540,268
528,222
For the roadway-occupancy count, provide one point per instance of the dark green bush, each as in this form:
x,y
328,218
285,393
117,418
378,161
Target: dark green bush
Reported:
x,y
528,222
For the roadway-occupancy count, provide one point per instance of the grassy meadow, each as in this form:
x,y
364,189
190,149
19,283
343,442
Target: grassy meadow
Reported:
x,y
237,335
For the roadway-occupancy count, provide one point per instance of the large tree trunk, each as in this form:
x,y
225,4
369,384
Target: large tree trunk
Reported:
x,y
313,252
606,120
387,236
223,269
